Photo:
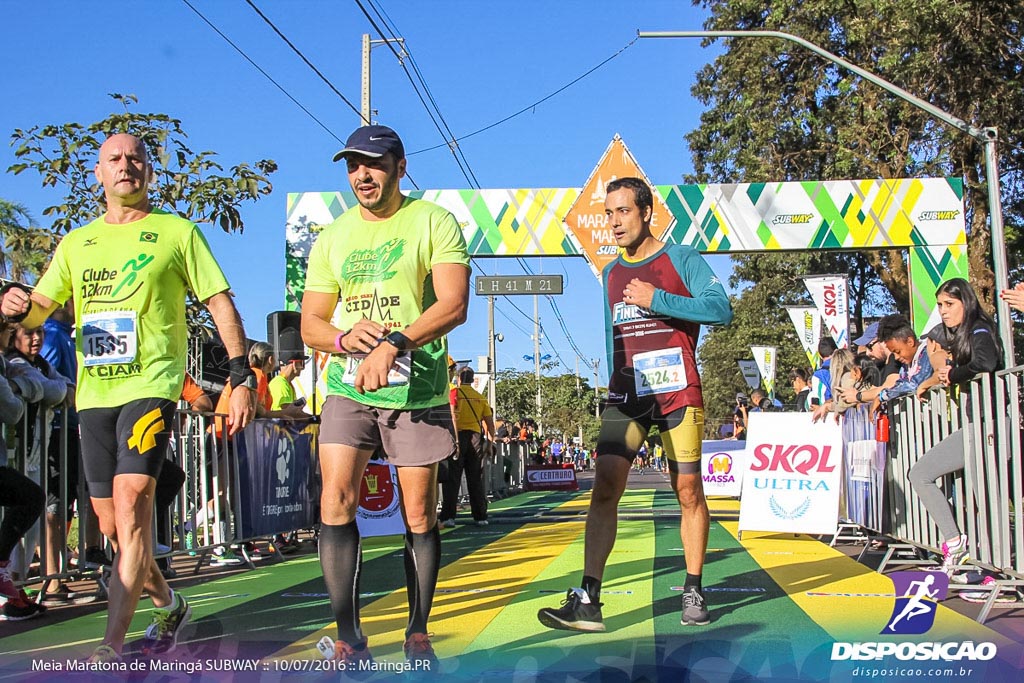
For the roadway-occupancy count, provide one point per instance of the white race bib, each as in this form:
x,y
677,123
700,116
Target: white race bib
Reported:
x,y
659,372
398,375
108,338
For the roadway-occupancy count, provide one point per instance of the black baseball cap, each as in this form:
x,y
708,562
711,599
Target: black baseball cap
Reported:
x,y
372,141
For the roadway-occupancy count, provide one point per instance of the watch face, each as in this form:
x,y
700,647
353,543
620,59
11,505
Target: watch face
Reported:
x,y
250,382
398,340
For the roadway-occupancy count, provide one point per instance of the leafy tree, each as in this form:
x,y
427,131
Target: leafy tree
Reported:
x,y
24,249
566,406
776,111
188,183
185,182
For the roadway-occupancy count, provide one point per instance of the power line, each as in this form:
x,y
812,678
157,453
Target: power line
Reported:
x,y
303,58
265,74
455,149
466,171
310,64
530,106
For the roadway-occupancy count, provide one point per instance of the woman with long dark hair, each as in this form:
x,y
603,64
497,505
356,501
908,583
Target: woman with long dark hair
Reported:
x,y
970,338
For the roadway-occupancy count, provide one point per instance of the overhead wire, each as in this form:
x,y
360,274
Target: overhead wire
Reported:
x,y
315,70
265,74
448,135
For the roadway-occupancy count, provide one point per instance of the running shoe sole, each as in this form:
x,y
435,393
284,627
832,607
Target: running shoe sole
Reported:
x,y
693,622
551,621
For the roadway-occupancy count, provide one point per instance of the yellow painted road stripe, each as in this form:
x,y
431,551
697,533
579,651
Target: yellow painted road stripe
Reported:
x,y
471,592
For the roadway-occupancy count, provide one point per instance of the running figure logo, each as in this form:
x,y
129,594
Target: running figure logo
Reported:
x,y
918,595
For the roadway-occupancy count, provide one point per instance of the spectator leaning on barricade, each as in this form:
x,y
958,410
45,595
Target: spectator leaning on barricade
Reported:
x,y
23,354
886,362
20,497
969,335
821,379
475,426
898,336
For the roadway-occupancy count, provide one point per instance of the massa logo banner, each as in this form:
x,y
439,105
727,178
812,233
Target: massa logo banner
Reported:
x,y
723,466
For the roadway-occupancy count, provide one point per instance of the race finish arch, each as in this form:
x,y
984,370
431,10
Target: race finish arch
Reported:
x,y
923,215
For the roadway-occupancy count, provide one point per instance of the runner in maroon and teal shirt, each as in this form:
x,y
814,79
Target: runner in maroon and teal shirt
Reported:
x,y
656,298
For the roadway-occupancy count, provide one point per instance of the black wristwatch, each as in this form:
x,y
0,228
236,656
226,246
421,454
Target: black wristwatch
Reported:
x,y
398,340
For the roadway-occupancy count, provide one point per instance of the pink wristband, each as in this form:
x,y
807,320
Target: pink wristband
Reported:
x,y
337,342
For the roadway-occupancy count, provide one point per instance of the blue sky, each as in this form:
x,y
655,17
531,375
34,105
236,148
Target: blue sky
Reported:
x,y
481,60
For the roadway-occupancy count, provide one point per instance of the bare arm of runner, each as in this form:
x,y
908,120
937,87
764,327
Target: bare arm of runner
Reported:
x,y
229,324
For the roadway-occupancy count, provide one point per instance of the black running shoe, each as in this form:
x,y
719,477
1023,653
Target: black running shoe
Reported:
x,y
576,614
695,610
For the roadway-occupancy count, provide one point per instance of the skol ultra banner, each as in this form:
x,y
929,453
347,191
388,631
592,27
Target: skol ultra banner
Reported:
x,y
831,297
764,356
792,485
808,330
751,375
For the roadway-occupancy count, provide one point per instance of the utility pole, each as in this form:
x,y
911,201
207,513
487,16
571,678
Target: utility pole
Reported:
x,y
597,397
364,110
536,353
579,394
492,354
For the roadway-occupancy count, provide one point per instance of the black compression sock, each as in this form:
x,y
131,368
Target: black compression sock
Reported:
x,y
592,587
341,556
693,580
422,562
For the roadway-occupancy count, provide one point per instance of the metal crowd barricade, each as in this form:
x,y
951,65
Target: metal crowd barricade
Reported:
x,y
28,453
986,495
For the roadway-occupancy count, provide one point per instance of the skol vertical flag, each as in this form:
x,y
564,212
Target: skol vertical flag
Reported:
x,y
764,356
808,330
751,375
830,295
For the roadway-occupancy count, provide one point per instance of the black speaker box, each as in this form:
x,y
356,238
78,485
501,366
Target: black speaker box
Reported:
x,y
284,334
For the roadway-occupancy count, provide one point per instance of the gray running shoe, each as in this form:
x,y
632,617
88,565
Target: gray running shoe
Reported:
x,y
577,613
695,610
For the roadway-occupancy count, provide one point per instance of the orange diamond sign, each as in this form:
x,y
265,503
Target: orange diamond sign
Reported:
x,y
586,221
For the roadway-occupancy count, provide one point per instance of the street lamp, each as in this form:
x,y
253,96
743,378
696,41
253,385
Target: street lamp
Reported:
x,y
987,137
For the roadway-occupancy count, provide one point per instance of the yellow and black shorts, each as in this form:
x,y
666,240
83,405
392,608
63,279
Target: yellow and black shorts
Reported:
x,y
624,429
128,439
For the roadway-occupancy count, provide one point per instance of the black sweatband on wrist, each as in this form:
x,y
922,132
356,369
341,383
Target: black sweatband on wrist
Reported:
x,y
239,369
21,316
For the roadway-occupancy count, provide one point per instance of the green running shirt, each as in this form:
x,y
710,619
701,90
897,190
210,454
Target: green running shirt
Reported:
x,y
129,283
381,270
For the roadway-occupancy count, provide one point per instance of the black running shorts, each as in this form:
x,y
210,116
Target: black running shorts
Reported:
x,y
128,439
